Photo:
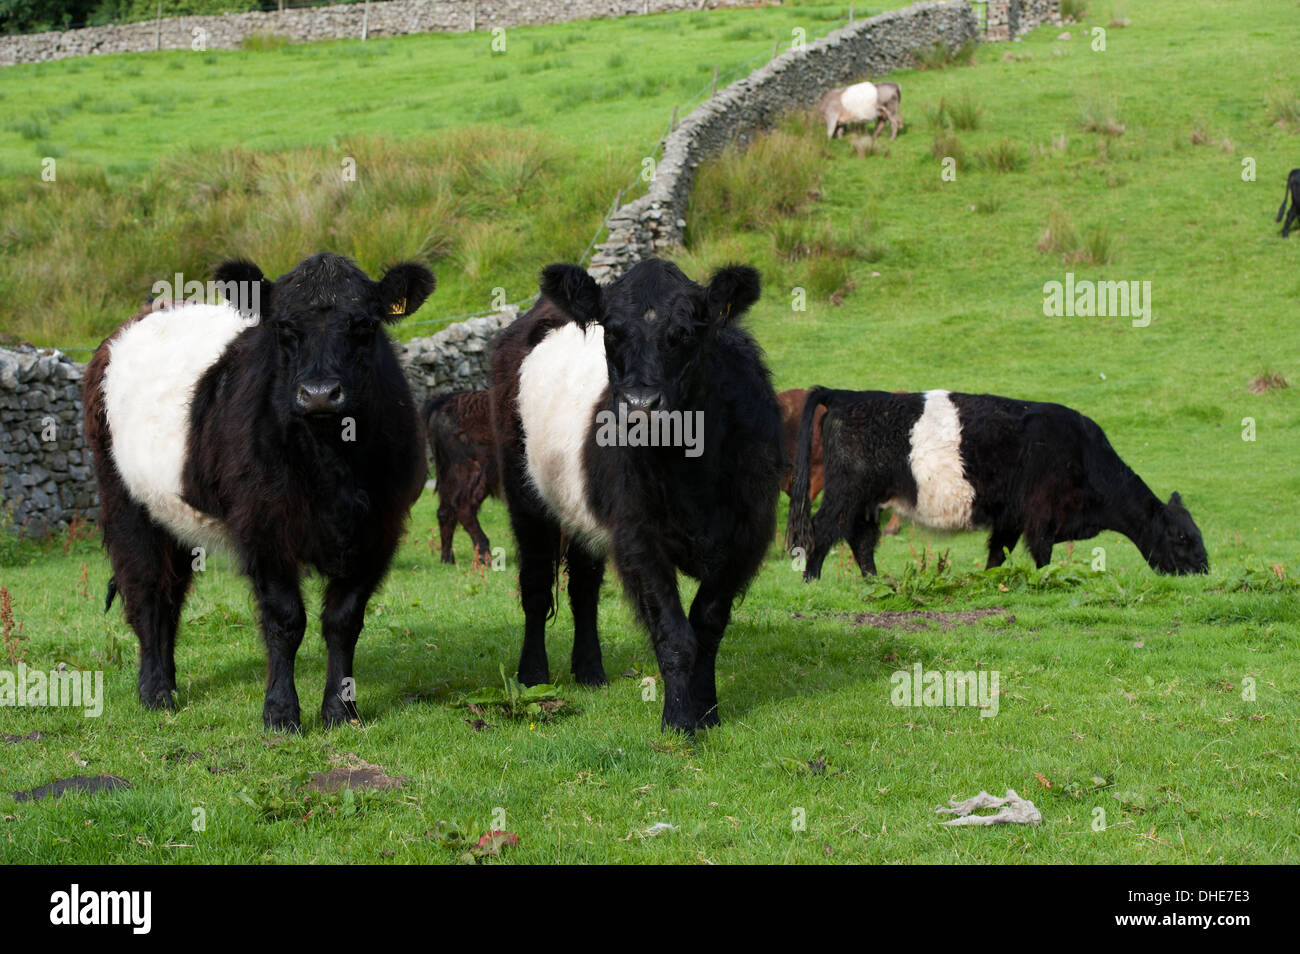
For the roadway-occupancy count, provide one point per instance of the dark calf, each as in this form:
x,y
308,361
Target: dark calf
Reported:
x,y
459,428
1292,192
960,461
286,434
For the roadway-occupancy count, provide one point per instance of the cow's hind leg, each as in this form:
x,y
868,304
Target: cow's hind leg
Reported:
x,y
284,620
152,573
585,575
343,615
539,550
863,537
1000,540
469,520
831,524
447,530
1291,217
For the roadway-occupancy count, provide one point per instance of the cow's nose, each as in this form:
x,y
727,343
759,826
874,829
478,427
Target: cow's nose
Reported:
x,y
642,400
320,397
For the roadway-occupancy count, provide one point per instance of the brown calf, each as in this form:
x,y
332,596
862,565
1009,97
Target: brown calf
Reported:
x,y
459,425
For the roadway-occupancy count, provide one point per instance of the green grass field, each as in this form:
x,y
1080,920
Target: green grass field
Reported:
x,y
1169,704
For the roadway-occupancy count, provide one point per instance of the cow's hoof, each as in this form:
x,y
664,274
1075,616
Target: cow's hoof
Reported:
x,y
534,677
160,698
335,713
678,722
282,718
708,719
449,558
590,675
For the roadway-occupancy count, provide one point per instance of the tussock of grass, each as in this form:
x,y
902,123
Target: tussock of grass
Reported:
x,y
1004,156
963,114
941,56
1284,109
757,187
429,199
1095,245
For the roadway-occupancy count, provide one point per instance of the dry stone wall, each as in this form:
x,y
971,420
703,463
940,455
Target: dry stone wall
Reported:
x,y
868,48
388,18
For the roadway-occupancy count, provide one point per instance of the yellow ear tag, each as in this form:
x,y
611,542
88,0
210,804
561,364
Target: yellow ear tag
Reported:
x,y
399,308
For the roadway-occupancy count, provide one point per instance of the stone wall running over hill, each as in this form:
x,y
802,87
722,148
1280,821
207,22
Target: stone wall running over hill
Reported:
x,y
794,80
388,18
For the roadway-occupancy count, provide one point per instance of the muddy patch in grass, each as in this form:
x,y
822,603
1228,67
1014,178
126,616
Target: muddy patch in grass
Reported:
x,y
354,773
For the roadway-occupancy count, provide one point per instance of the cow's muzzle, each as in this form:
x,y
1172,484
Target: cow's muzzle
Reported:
x,y
319,397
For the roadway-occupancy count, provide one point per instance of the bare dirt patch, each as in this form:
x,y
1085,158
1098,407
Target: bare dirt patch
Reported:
x,y
355,773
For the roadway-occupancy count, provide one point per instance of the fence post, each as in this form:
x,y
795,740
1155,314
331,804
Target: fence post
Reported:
x,y
157,32
850,14
365,21
715,80
473,16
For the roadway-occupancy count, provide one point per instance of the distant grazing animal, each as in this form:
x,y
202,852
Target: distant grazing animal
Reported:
x,y
862,103
639,421
1292,191
960,461
459,428
285,432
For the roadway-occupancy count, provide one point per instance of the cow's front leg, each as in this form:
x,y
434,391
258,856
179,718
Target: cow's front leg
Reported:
x,y
539,549
651,582
585,575
279,602
342,617
710,614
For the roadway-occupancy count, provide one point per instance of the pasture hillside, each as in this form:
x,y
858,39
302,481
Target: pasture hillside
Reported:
x,y
1150,719
483,162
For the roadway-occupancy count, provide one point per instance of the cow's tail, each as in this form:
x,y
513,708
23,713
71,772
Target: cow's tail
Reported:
x,y
441,428
112,592
1286,194
799,528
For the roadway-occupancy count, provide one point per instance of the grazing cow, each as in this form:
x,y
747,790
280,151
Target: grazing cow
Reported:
x,y
1292,192
862,103
285,433
639,420
459,428
961,461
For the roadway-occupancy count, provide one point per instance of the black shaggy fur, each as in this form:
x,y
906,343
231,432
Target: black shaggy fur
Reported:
x,y
1292,192
710,517
267,456
459,428
1039,470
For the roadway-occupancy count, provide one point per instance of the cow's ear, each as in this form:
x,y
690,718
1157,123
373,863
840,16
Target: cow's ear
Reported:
x,y
731,291
1175,499
403,290
576,292
242,284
